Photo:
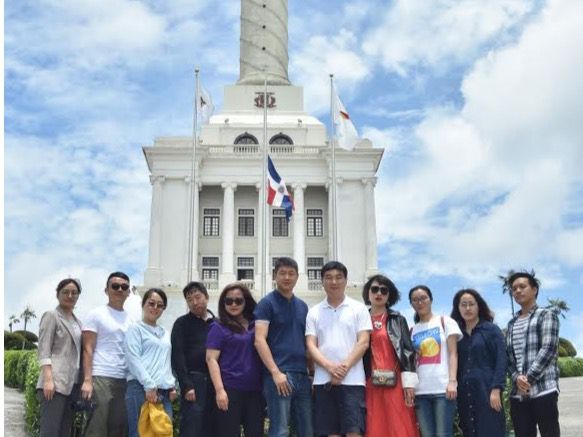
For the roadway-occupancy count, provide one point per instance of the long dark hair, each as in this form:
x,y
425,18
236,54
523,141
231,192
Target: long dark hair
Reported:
x,y
484,312
426,289
225,318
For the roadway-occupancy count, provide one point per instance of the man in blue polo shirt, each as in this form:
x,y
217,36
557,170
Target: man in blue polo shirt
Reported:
x,y
280,326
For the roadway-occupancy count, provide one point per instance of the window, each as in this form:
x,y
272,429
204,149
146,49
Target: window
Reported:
x,y
315,264
246,222
210,268
246,138
280,138
245,266
211,222
280,225
315,223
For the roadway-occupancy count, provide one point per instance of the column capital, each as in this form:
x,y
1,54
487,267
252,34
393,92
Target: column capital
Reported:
x,y
229,185
157,179
370,181
299,186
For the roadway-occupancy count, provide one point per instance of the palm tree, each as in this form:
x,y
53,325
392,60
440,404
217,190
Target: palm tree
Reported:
x,y
558,306
26,315
13,320
506,287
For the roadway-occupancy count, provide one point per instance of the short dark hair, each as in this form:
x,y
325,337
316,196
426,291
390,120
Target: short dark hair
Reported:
x,y
159,292
250,305
285,261
426,289
63,283
532,281
484,312
193,287
394,294
121,275
334,265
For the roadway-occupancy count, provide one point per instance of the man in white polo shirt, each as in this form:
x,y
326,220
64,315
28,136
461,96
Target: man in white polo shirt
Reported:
x,y
104,363
337,336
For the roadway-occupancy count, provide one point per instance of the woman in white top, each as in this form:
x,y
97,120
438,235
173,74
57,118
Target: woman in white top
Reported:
x,y
435,341
59,353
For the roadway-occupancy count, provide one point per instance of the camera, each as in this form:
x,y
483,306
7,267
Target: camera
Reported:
x,y
83,405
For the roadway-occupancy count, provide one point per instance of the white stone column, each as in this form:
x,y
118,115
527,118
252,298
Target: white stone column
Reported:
x,y
153,274
370,226
299,219
195,204
259,226
228,237
330,221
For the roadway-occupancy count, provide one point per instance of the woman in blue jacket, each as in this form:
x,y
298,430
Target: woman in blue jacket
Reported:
x,y
481,367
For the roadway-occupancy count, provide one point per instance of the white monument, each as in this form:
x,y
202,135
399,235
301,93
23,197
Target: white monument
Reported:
x,y
227,202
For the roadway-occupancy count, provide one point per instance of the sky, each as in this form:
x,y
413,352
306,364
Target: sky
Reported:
x,y
477,104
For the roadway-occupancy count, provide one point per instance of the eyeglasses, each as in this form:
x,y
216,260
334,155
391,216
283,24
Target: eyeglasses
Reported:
x,y
467,304
376,288
234,300
419,299
115,286
158,305
70,293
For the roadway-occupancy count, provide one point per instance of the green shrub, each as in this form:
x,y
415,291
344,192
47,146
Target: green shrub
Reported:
x,y
13,341
570,366
22,367
10,362
568,348
32,406
30,336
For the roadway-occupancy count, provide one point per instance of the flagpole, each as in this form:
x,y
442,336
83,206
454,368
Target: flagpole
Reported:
x,y
333,185
192,187
265,255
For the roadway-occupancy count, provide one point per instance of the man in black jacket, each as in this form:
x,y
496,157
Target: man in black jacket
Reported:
x,y
197,398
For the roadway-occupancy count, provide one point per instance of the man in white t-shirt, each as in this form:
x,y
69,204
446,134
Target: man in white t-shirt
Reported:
x,y
337,336
104,363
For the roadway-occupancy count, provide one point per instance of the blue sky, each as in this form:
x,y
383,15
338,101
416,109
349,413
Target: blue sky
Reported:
x,y
477,104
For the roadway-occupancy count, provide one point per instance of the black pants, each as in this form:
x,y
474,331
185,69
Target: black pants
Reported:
x,y
56,415
542,411
197,418
245,408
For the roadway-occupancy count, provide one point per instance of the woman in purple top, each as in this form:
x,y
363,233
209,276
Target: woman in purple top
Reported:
x,y
234,364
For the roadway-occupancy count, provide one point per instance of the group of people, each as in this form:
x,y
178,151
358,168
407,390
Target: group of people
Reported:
x,y
342,367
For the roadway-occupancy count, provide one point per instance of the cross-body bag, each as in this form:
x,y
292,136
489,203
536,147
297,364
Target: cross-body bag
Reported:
x,y
384,378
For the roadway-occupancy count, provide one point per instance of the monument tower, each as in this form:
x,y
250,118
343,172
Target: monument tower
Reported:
x,y
228,171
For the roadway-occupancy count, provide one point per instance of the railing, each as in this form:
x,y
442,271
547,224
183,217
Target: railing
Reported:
x,y
211,284
315,285
255,149
250,283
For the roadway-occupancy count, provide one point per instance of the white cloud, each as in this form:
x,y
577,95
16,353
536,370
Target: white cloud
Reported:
x,y
417,32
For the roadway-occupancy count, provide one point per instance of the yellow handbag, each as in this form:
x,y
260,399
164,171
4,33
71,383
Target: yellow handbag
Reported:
x,y
154,421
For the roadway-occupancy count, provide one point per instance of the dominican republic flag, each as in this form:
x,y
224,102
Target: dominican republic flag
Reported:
x,y
277,194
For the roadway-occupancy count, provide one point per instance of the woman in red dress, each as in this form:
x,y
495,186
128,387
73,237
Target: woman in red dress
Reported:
x,y
389,409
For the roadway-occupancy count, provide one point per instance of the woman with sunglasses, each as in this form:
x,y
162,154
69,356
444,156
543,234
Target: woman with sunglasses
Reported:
x,y
234,365
435,340
481,367
59,353
389,407
147,347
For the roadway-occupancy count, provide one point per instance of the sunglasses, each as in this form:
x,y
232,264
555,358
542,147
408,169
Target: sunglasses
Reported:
x,y
158,305
115,286
234,300
376,288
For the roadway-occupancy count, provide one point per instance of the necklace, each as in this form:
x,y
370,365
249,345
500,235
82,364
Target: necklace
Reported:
x,y
378,321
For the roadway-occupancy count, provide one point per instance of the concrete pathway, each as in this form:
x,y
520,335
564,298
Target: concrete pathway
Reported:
x,y
13,413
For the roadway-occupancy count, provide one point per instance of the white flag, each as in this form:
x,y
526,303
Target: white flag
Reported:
x,y
345,131
204,105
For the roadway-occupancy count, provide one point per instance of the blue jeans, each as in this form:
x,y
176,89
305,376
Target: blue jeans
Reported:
x,y
197,417
435,415
298,406
135,398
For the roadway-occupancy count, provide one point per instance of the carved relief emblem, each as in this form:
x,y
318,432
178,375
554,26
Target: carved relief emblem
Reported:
x,y
259,100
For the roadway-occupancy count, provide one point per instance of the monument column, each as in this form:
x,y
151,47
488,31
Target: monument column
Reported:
x,y
196,187
370,226
299,219
228,237
153,274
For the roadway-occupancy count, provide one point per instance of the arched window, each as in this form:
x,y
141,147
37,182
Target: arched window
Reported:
x,y
246,138
280,138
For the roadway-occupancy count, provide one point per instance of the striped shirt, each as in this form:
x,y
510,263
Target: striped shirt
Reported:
x,y
539,354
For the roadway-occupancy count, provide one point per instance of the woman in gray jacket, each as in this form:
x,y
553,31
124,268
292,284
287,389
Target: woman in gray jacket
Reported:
x,y
59,353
